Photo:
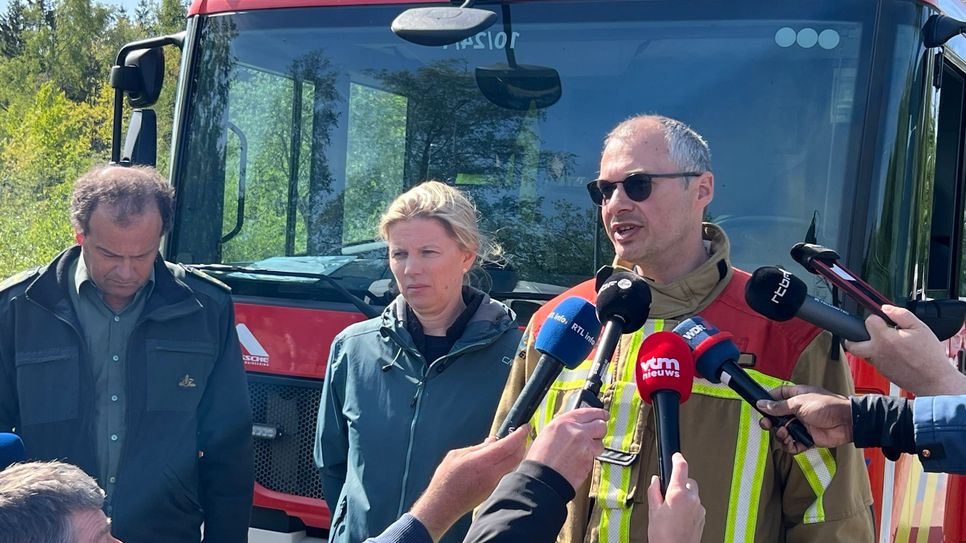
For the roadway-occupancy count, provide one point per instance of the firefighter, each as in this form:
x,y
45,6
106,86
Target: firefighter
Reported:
x,y
654,187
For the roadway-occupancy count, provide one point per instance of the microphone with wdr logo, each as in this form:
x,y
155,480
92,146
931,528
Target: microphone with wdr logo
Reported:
x,y
716,359
665,370
11,450
779,295
564,340
623,304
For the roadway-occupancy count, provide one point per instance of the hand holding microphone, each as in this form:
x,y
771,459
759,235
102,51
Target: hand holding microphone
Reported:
x,y
565,339
716,359
664,373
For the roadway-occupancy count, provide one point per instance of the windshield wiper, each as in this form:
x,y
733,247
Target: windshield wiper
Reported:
x,y
358,302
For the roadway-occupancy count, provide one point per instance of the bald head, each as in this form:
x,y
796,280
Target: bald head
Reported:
x,y
686,149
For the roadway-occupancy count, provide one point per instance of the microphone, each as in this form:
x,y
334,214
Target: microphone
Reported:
x,y
11,450
779,295
716,359
664,372
565,339
623,303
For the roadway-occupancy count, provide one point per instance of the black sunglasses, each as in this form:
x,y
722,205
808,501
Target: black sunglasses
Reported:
x,y
637,185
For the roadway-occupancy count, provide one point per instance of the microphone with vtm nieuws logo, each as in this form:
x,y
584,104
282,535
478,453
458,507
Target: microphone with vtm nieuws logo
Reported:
x,y
664,372
565,339
779,295
716,359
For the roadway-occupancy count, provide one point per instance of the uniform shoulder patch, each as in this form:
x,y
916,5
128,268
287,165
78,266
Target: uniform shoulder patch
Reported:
x,y
18,278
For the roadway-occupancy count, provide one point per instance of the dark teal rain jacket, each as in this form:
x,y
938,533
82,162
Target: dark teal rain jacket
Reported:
x,y
388,416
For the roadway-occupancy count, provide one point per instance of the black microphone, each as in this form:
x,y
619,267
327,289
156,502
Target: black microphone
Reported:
x,y
623,303
716,359
564,340
779,295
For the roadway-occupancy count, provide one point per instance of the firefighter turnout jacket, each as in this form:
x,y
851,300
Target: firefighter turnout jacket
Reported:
x,y
751,489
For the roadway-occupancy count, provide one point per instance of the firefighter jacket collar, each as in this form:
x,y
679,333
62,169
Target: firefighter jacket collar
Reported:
x,y
696,290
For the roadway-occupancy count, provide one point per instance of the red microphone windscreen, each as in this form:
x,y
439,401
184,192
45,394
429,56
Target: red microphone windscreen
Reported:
x,y
664,362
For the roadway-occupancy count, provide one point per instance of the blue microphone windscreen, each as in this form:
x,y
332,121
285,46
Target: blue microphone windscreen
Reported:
x,y
695,330
569,332
719,350
11,450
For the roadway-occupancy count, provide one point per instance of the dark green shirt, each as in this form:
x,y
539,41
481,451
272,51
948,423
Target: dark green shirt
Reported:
x,y
106,334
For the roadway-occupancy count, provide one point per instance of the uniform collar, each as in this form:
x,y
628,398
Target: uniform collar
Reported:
x,y
696,290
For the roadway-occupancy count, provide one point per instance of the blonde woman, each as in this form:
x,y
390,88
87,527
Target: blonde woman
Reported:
x,y
423,378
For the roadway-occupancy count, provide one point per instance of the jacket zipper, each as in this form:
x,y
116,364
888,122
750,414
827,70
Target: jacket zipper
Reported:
x,y
416,404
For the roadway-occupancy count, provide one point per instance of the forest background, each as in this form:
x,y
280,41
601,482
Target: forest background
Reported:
x,y
56,107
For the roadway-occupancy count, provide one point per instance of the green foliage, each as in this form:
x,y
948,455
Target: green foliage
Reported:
x,y
56,107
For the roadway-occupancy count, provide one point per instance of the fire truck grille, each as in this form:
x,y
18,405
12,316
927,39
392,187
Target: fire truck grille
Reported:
x,y
285,464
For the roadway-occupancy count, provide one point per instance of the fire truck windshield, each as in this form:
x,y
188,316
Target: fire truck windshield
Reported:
x,y
301,125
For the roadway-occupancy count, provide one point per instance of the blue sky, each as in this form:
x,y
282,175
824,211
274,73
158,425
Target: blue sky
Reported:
x,y
128,5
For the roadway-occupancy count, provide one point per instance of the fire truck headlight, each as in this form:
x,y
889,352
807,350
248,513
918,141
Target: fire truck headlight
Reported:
x,y
266,431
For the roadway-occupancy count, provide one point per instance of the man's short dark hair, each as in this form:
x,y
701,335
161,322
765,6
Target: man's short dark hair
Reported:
x,y
37,500
128,189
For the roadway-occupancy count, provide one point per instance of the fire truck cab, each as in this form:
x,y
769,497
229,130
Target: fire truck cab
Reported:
x,y
297,122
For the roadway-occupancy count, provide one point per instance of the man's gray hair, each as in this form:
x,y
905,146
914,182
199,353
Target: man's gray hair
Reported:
x,y
687,149
38,498
128,189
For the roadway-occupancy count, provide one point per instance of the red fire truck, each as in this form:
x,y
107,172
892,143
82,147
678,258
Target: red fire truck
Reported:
x,y
297,121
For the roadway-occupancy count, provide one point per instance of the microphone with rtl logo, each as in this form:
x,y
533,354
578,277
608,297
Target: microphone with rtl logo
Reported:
x,y
565,339
665,370
716,359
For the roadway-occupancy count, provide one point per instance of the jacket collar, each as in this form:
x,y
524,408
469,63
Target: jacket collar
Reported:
x,y
696,290
491,319
170,296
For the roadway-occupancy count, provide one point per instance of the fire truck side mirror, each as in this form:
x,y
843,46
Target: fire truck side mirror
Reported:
x,y
939,29
146,68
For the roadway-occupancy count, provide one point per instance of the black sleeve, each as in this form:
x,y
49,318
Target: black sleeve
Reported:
x,y
883,421
529,504
226,468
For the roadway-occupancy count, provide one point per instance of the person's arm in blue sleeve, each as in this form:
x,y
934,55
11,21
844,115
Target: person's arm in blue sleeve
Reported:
x,y
408,529
940,426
